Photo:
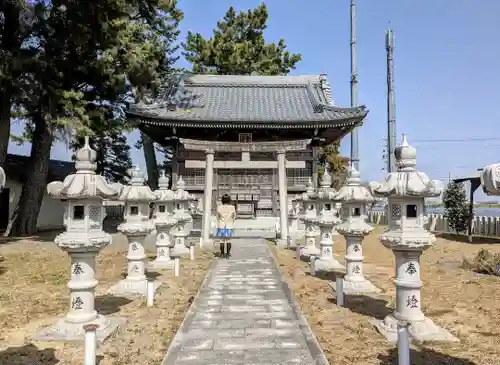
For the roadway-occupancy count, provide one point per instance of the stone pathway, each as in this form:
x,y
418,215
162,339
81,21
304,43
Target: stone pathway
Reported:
x,y
245,314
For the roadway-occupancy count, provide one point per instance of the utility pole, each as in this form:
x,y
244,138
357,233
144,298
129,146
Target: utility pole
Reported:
x,y
391,103
354,87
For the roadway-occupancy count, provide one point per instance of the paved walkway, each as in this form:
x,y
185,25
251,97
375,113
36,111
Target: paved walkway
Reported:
x,y
245,314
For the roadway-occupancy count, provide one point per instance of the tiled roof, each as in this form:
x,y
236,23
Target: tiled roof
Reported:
x,y
15,168
254,99
476,175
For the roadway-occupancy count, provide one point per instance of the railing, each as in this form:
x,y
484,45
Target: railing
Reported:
x,y
114,209
481,225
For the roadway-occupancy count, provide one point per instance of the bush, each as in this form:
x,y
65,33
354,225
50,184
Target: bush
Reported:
x,y
456,207
486,262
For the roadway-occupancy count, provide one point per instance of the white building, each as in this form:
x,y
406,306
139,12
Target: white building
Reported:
x,y
51,211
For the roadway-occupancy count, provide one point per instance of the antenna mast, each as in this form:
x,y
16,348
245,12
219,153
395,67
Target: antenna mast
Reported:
x,y
391,103
354,87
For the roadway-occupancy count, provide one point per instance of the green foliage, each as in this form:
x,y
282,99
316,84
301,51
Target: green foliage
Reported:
x,y
88,59
111,146
456,208
329,155
238,47
16,28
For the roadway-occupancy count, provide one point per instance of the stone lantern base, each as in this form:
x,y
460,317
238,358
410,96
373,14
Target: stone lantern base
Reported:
x,y
359,287
136,282
180,248
163,258
82,250
330,264
131,288
66,331
420,331
162,261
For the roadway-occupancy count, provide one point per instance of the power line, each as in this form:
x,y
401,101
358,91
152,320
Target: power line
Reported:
x,y
457,140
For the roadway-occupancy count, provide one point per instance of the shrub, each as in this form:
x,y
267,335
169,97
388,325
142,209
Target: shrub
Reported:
x,y
487,262
456,207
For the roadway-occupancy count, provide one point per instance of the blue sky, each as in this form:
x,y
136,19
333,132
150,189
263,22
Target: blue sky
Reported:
x,y
446,71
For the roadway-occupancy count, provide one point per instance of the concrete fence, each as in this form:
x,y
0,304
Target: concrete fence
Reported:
x,y
481,225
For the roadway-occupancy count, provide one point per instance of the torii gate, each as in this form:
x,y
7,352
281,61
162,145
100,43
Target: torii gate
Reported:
x,y
210,147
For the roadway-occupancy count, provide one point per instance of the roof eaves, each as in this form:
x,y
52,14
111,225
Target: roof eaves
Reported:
x,y
217,124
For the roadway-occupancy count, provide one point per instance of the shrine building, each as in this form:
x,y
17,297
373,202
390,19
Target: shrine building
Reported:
x,y
254,137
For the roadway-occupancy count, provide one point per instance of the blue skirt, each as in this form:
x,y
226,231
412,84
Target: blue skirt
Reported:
x,y
224,232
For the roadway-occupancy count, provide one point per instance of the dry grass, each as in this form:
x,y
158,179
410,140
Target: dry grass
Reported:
x,y
463,302
33,278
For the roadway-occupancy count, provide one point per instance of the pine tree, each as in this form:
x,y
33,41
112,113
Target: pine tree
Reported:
x,y
329,155
86,54
456,208
238,47
111,146
16,27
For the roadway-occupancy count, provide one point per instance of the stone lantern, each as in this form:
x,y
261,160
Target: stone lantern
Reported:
x,y
406,236
136,227
196,212
309,209
293,222
490,179
83,194
354,197
326,220
163,221
182,201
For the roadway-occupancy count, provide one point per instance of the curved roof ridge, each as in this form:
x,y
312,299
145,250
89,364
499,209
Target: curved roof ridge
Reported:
x,y
246,80
326,88
320,106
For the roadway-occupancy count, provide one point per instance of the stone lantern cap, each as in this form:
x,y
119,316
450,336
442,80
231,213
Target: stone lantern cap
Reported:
x,y
353,191
170,221
490,179
406,182
326,221
85,183
163,193
181,195
325,191
137,191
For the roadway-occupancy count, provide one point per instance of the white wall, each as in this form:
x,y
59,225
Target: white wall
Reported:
x,y
51,211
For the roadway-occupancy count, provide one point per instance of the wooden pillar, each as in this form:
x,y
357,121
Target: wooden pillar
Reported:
x,y
207,201
174,174
474,184
282,186
314,151
274,194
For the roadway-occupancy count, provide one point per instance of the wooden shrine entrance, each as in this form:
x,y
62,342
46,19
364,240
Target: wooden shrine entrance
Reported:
x,y
251,190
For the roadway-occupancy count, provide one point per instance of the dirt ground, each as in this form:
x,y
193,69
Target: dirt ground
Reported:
x,y
458,299
33,293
